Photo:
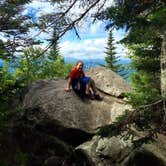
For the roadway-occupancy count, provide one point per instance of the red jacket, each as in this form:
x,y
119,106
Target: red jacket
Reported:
x,y
76,74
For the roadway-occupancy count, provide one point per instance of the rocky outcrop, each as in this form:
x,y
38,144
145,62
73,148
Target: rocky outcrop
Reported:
x,y
32,138
118,151
58,128
73,112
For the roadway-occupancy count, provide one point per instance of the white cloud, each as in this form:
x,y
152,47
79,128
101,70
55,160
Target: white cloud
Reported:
x,y
84,49
94,37
96,27
39,7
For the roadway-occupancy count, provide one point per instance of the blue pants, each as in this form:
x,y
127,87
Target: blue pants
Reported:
x,y
85,80
79,85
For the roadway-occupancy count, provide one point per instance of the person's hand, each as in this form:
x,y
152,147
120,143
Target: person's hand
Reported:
x,y
67,89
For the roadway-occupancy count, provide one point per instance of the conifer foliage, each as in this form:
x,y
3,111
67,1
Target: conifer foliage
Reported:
x,y
14,26
111,58
145,23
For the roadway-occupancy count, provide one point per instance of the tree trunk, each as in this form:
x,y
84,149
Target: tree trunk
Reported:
x,y
163,78
163,67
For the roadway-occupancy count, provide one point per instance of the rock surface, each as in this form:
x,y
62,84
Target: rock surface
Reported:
x,y
58,128
109,82
70,110
32,138
117,151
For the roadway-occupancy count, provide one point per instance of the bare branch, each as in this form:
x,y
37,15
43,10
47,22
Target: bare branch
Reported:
x,y
149,105
76,32
72,24
101,6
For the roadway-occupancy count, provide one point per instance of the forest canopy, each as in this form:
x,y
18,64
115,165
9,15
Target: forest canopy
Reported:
x,y
144,22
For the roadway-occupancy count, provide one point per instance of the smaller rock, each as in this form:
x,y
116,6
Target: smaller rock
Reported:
x,y
121,152
109,82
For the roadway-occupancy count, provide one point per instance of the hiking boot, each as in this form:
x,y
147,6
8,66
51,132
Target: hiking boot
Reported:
x,y
98,97
90,96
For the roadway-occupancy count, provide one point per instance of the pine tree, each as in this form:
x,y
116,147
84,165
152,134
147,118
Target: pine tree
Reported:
x,y
14,27
111,58
54,53
144,22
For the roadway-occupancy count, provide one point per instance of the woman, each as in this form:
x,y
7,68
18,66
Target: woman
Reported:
x,y
81,83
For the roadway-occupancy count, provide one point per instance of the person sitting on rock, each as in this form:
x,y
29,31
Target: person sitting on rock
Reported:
x,y
80,83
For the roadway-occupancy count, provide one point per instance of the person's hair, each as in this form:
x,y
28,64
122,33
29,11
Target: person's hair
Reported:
x,y
79,61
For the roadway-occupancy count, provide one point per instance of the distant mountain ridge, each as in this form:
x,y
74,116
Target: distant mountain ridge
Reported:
x,y
90,63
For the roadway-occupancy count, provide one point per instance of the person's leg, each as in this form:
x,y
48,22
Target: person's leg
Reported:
x,y
86,82
90,84
87,90
93,86
95,94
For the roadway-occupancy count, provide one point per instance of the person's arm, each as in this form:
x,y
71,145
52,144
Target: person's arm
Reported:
x,y
72,75
67,89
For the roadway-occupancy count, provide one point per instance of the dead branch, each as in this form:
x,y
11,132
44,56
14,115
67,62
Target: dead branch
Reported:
x,y
150,105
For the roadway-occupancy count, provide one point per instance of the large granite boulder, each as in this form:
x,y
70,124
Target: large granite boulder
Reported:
x,y
58,128
32,138
70,110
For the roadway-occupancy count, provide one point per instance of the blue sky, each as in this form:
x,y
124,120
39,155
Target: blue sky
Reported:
x,y
93,36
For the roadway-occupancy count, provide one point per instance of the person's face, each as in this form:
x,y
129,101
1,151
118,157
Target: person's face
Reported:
x,y
80,66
